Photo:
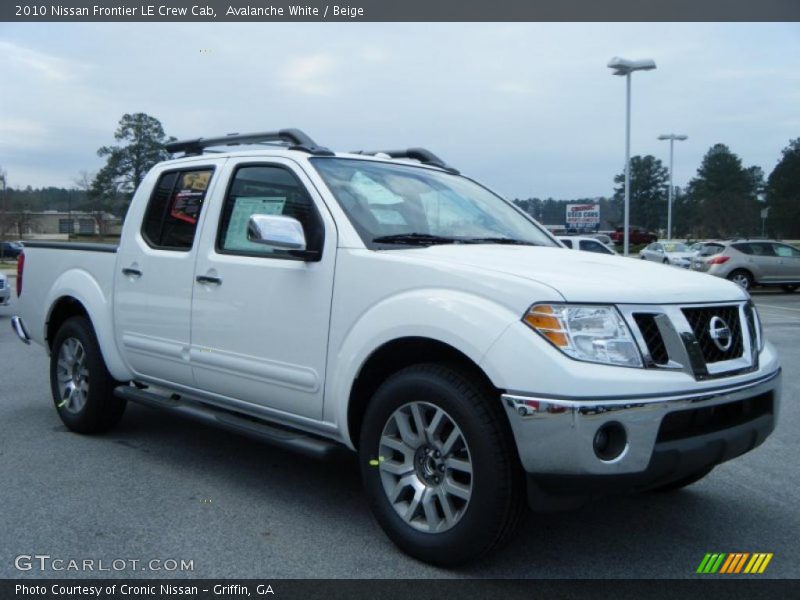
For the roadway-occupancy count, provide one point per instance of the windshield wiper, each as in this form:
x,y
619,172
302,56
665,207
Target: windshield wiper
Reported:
x,y
415,239
500,240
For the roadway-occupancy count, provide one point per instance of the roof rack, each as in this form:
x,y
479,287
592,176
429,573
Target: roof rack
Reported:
x,y
296,139
426,157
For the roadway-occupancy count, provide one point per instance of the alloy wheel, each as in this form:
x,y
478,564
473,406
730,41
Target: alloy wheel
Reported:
x,y
73,376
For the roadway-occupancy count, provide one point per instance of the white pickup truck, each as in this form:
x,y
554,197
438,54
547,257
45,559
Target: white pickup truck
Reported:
x,y
383,302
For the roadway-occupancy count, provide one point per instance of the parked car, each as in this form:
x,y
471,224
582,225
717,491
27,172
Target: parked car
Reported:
x,y
10,250
636,235
322,300
587,244
754,262
668,252
5,292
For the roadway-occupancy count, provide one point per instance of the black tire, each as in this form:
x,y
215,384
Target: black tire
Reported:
x,y
101,410
497,499
742,277
682,483
665,261
789,288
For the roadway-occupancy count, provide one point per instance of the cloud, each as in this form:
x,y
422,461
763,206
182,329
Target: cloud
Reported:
x,y
47,66
310,75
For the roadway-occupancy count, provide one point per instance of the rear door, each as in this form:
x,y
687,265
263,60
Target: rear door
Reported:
x,y
154,284
260,316
767,263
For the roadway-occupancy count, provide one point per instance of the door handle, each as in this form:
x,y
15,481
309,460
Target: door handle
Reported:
x,y
131,272
208,279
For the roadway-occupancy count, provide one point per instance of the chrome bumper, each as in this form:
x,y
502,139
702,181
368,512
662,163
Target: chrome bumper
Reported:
x,y
556,436
19,328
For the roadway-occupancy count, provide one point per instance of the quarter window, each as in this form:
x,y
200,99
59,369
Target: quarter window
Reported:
x,y
170,222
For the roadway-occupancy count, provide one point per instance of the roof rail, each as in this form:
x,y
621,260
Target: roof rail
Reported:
x,y
426,157
296,139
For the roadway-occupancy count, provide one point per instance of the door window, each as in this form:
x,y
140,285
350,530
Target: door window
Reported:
x,y
785,251
266,190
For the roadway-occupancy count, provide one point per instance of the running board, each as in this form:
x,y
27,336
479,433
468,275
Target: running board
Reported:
x,y
289,439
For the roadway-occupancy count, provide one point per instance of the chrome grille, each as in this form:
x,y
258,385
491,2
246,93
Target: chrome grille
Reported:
x,y
699,319
652,337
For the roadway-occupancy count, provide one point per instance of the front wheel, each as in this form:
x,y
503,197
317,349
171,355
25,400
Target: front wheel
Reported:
x,y
439,466
82,387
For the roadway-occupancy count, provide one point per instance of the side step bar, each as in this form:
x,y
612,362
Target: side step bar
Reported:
x,y
289,439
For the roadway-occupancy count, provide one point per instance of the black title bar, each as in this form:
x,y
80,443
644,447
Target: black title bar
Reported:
x,y
400,10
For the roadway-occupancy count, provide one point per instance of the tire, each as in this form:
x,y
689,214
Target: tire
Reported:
x,y
665,261
682,483
82,387
741,277
489,502
789,288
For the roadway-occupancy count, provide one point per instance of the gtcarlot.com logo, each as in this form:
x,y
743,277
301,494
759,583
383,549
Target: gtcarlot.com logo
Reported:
x,y
734,563
45,562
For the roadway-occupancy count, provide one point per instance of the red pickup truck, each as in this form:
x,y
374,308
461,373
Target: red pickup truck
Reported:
x,y
636,235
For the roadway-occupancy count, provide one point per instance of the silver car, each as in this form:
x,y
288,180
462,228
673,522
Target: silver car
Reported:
x,y
5,292
754,262
668,252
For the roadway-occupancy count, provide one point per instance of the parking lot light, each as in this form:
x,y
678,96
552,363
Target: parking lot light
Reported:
x,y
623,66
672,137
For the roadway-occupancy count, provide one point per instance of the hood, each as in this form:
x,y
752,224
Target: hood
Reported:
x,y
686,255
586,276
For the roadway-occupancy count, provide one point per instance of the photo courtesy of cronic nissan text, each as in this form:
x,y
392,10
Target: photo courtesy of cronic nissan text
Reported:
x,y
391,300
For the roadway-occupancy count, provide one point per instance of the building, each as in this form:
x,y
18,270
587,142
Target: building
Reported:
x,y
61,223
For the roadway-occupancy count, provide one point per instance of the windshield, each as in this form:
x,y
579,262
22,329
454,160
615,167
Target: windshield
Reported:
x,y
675,247
394,205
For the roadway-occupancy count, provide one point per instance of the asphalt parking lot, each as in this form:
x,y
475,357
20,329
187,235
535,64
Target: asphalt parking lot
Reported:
x,y
159,487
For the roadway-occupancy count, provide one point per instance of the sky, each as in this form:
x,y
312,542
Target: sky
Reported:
x,y
529,109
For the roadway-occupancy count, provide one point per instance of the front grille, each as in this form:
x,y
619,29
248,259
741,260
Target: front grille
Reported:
x,y
699,319
683,424
2,284
652,337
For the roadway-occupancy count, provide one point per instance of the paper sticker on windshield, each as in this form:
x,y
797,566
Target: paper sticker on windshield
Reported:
x,y
189,194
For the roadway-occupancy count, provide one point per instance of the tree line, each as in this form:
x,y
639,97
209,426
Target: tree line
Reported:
x,y
724,199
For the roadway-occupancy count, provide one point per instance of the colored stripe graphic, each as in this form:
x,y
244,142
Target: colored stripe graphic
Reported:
x,y
711,562
734,563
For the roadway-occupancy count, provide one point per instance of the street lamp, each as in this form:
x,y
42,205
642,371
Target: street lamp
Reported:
x,y
623,66
672,137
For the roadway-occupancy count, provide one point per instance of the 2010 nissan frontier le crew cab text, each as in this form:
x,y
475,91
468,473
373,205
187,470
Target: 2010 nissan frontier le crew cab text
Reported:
x,y
383,302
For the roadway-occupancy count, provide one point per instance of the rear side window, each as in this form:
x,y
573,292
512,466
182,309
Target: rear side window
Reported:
x,y
591,246
745,248
170,222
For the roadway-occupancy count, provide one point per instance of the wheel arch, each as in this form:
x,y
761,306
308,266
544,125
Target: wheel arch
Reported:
x,y
392,357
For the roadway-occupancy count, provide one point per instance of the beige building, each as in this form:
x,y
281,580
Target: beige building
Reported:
x,y
58,223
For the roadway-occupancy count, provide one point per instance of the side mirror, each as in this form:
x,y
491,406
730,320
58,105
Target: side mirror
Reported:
x,y
281,232
276,230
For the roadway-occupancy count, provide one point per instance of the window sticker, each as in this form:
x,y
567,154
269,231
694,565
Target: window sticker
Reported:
x,y
243,209
188,198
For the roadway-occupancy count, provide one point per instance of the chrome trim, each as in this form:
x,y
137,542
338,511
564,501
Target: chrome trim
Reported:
x,y
19,328
682,347
554,435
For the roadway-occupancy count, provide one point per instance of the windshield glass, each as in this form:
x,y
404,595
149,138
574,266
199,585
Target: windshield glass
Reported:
x,y
675,247
394,205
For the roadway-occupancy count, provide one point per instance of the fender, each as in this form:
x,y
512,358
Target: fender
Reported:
x,y
80,285
467,322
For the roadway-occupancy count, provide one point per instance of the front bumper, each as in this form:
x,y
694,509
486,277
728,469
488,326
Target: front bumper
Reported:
x,y
556,436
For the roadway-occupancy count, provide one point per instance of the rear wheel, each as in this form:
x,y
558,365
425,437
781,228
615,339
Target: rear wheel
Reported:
x,y
789,288
81,385
439,466
742,278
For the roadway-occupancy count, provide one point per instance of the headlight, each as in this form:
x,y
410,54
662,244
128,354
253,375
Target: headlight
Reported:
x,y
585,332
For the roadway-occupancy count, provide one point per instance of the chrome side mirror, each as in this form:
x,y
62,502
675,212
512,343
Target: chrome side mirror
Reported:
x,y
276,230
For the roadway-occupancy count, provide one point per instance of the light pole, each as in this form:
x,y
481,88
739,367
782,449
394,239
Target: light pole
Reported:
x,y
672,137
623,66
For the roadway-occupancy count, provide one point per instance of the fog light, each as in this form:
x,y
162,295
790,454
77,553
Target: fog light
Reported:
x,y
610,441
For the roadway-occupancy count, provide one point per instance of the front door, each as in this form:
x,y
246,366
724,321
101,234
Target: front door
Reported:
x,y
260,316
